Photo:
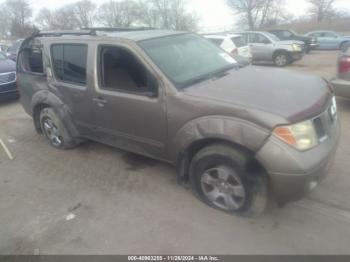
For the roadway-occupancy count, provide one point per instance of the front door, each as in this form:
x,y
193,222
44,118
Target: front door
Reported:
x,y
129,102
261,47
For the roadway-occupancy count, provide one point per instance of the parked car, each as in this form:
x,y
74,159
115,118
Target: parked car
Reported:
x,y
329,39
3,48
283,34
13,50
234,134
8,88
341,82
267,47
233,44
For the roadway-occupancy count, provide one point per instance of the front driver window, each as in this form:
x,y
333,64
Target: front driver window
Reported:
x,y
120,70
259,39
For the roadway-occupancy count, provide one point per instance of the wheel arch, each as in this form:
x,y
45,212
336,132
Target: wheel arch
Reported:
x,y
200,133
344,43
46,99
280,51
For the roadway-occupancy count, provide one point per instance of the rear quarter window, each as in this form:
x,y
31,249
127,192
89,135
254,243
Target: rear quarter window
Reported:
x,y
69,62
239,41
216,41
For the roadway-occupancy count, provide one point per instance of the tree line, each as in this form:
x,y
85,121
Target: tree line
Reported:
x,y
16,16
257,14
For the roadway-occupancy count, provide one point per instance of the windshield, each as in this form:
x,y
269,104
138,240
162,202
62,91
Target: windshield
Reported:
x,y
14,48
272,37
188,58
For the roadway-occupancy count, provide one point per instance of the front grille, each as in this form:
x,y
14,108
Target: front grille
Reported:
x,y
6,78
324,123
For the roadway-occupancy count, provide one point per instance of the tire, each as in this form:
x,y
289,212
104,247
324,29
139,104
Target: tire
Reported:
x,y
219,177
344,45
55,131
281,59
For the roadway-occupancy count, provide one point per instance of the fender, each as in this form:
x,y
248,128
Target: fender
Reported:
x,y
237,131
45,97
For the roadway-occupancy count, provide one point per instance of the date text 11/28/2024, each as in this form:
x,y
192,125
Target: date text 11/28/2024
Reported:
x,y
173,258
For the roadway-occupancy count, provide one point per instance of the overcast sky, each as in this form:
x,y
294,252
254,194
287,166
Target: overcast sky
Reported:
x,y
213,14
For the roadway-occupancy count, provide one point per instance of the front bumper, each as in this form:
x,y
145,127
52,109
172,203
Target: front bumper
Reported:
x,y
296,55
341,87
8,91
293,173
313,46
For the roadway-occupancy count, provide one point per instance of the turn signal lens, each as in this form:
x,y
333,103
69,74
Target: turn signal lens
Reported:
x,y
286,135
302,135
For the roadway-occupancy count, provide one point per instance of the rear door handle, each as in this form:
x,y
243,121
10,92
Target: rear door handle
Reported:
x,y
100,101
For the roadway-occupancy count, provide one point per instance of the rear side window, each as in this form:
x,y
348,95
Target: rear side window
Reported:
x,y
69,62
239,41
31,60
216,41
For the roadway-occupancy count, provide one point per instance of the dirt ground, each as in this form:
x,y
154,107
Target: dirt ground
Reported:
x,y
99,200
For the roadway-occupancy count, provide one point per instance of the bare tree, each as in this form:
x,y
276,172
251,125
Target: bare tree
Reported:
x,y
19,14
5,23
45,19
258,13
84,11
63,18
118,13
322,9
168,14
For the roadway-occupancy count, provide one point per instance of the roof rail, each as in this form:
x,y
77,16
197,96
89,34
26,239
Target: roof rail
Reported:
x,y
64,32
117,29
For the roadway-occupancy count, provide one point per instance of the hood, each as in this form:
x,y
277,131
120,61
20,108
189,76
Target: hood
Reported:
x,y
293,96
7,65
306,39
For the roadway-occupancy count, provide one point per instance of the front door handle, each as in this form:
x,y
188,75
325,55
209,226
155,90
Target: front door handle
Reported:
x,y
100,101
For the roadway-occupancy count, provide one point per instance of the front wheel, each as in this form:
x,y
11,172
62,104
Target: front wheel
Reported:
x,y
219,177
281,59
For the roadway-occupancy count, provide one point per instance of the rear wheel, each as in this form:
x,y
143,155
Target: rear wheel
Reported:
x,y
219,177
55,131
281,59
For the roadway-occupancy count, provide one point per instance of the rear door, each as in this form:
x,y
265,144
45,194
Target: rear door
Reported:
x,y
68,78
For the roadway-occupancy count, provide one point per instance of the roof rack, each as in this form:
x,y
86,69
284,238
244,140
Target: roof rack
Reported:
x,y
89,31
117,29
65,32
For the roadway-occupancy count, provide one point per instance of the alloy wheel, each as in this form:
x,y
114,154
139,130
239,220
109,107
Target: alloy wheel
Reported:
x,y
52,132
223,187
281,60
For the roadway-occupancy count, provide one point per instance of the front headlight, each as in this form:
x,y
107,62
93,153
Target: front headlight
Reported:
x,y
296,47
302,136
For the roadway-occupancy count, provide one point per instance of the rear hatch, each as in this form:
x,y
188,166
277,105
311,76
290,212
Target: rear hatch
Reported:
x,y
242,46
